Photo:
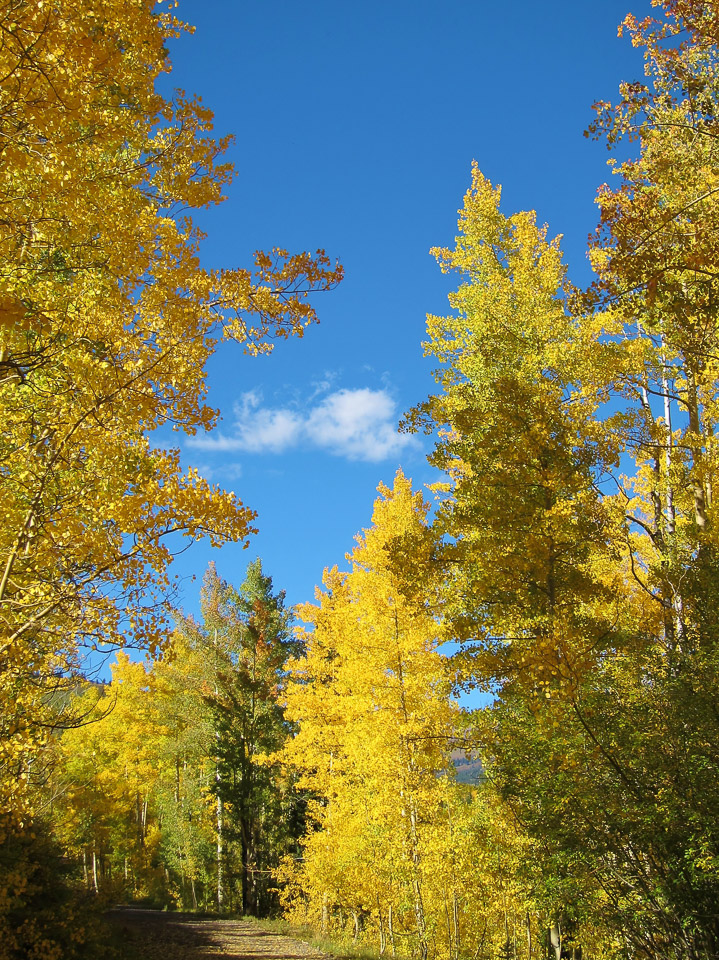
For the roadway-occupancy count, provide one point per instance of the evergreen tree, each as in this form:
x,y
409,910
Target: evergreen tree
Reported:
x,y
246,640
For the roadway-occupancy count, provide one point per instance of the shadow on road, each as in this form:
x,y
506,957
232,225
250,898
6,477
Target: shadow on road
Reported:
x,y
157,935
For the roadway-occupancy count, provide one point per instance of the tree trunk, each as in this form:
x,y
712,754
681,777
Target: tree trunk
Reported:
x,y
449,924
220,878
246,908
555,940
700,506
529,936
418,902
94,869
669,505
455,915
390,929
382,934
325,914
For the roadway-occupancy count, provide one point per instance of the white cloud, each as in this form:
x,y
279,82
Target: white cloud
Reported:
x,y
356,424
259,428
231,471
322,386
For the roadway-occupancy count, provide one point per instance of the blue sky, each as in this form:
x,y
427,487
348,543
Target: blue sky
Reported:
x,y
356,126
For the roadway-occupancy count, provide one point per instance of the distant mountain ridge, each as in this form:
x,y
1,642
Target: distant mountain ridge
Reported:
x,y
468,768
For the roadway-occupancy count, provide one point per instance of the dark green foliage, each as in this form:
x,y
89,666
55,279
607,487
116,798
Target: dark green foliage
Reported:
x,y
263,815
621,792
46,912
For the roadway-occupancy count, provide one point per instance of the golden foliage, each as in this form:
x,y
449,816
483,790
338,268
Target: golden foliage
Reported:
x,y
108,319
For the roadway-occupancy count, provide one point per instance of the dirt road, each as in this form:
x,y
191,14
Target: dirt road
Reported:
x,y
153,935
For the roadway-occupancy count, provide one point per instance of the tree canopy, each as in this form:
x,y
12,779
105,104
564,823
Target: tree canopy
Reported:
x,y
107,319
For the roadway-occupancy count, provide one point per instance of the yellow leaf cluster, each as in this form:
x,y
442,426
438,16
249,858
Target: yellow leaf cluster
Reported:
x,y
107,319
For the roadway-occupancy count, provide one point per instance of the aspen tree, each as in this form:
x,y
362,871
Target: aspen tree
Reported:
x,y
371,700
655,252
107,319
527,533
580,558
